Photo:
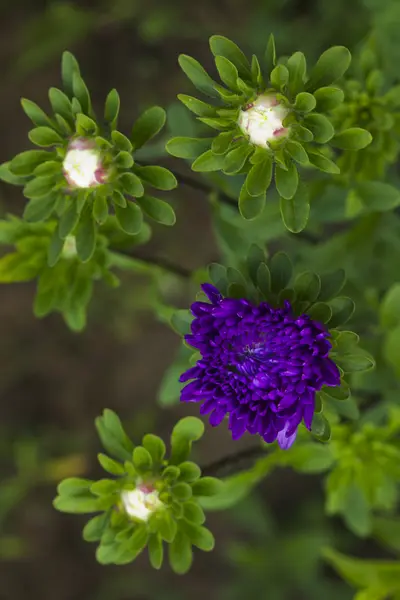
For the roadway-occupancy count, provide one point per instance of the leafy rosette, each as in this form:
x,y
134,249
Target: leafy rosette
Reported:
x,y
272,118
149,501
64,283
85,168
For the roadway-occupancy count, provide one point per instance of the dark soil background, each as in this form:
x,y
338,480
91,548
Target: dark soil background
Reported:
x,y
54,383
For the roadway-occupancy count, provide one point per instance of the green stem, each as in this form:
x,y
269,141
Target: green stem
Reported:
x,y
130,262
235,463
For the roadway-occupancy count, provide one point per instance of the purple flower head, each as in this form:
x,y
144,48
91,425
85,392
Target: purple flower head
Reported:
x,y
259,365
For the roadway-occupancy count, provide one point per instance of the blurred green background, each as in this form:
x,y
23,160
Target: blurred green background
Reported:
x,y
54,383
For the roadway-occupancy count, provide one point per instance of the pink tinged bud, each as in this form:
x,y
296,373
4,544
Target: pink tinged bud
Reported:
x,y
141,502
262,120
82,166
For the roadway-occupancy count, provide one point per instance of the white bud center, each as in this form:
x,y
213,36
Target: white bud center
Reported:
x,y
140,504
82,165
262,120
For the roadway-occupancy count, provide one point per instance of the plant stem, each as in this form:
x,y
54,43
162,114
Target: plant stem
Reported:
x,y
235,463
129,261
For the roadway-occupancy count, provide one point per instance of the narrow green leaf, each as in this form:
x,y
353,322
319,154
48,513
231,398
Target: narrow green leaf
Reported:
x,y
148,125
157,209
130,218
197,75
331,66
185,147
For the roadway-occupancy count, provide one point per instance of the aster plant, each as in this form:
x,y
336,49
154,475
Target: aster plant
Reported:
x,y
265,344
150,500
85,167
273,118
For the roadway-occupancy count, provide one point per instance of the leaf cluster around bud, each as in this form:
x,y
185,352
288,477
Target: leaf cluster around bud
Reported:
x,y
177,520
308,99
273,281
64,283
124,188
366,474
371,104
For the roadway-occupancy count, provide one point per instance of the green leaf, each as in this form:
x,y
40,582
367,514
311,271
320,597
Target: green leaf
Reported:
x,y
148,125
193,513
378,196
389,311
250,207
342,310
111,466
270,54
55,249
181,491
111,108
281,271
113,436
320,312
207,486
322,162
310,457
86,126
44,136
166,526
264,279
197,75
320,427
365,573
307,286
189,471
8,177
105,487
94,529
186,431
69,66
186,147
297,152
328,98
208,161
295,212
39,186
157,209
222,46
85,503
235,159
356,511
159,177
331,284
35,113
60,103
155,446
121,141
305,102
130,218
391,349
131,184
181,321
100,209
227,71
255,257
142,460
201,537
320,126
26,162
180,554
68,221
354,138
156,551
286,181
198,107
81,93
221,143
331,66
355,362
297,67
279,77
39,209
259,178
86,238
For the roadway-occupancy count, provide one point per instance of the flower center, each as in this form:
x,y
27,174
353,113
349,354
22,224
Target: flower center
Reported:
x,y
141,502
262,120
252,358
82,165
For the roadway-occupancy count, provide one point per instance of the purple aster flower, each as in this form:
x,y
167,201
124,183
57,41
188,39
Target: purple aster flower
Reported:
x,y
259,365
